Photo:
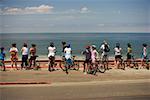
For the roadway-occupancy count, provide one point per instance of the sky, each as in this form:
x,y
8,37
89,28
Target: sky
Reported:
x,y
39,16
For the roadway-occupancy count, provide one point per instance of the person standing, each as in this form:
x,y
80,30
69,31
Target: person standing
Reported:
x,y
2,58
118,55
104,52
14,55
129,54
51,56
87,61
144,54
94,55
68,59
32,55
24,51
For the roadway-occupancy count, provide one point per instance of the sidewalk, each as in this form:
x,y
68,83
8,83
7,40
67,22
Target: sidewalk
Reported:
x,y
43,76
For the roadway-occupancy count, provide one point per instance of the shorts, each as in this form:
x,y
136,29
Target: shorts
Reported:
x,y
87,61
129,56
14,59
69,61
52,59
33,57
118,57
104,58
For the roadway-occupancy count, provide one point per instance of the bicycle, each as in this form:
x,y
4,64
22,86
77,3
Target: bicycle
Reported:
x,y
146,65
133,63
2,65
69,64
121,64
97,67
51,64
36,64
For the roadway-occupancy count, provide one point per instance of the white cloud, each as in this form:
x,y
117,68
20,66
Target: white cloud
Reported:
x,y
84,10
28,10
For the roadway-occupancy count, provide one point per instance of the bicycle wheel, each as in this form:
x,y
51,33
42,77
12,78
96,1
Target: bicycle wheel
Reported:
x,y
123,65
136,66
76,67
147,66
101,68
2,65
37,65
95,69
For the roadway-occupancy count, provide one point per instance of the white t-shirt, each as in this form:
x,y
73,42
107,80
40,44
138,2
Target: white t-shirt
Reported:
x,y
51,51
13,49
102,48
25,51
117,51
67,53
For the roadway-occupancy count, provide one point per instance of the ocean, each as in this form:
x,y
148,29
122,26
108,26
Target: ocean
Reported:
x,y
78,41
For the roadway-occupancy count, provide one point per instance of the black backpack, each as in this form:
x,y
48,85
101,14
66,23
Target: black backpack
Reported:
x,y
106,48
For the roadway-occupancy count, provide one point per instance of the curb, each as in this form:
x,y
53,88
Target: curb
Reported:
x,y
22,83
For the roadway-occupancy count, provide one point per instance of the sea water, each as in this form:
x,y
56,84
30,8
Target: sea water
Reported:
x,y
78,41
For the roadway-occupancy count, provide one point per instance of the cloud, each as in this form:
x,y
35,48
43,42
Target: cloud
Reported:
x,y
28,10
84,10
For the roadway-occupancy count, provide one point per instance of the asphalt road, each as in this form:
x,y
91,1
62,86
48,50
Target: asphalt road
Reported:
x,y
95,90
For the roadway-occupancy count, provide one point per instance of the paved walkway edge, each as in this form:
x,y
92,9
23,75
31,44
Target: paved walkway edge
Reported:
x,y
74,83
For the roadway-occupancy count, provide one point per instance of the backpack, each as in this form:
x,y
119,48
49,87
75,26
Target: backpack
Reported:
x,y
106,48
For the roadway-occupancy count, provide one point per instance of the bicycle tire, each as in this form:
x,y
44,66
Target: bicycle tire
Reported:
x,y
136,66
62,68
76,66
2,65
101,68
147,66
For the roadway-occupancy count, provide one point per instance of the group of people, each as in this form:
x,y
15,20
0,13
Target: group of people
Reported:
x,y
14,55
91,54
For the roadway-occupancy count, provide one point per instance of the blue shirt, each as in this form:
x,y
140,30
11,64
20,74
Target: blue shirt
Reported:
x,y
2,55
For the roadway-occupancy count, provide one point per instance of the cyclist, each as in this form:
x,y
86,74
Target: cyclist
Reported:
x,y
129,54
2,58
87,61
68,53
24,51
144,54
94,55
104,49
51,56
64,45
118,56
14,55
32,55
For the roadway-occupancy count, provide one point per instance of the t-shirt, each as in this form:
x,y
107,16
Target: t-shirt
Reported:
x,y
67,53
25,51
2,55
32,51
144,52
51,51
94,54
117,51
103,49
13,51
87,54
129,50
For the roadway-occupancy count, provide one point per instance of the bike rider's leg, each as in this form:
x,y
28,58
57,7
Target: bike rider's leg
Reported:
x,y
49,64
16,63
